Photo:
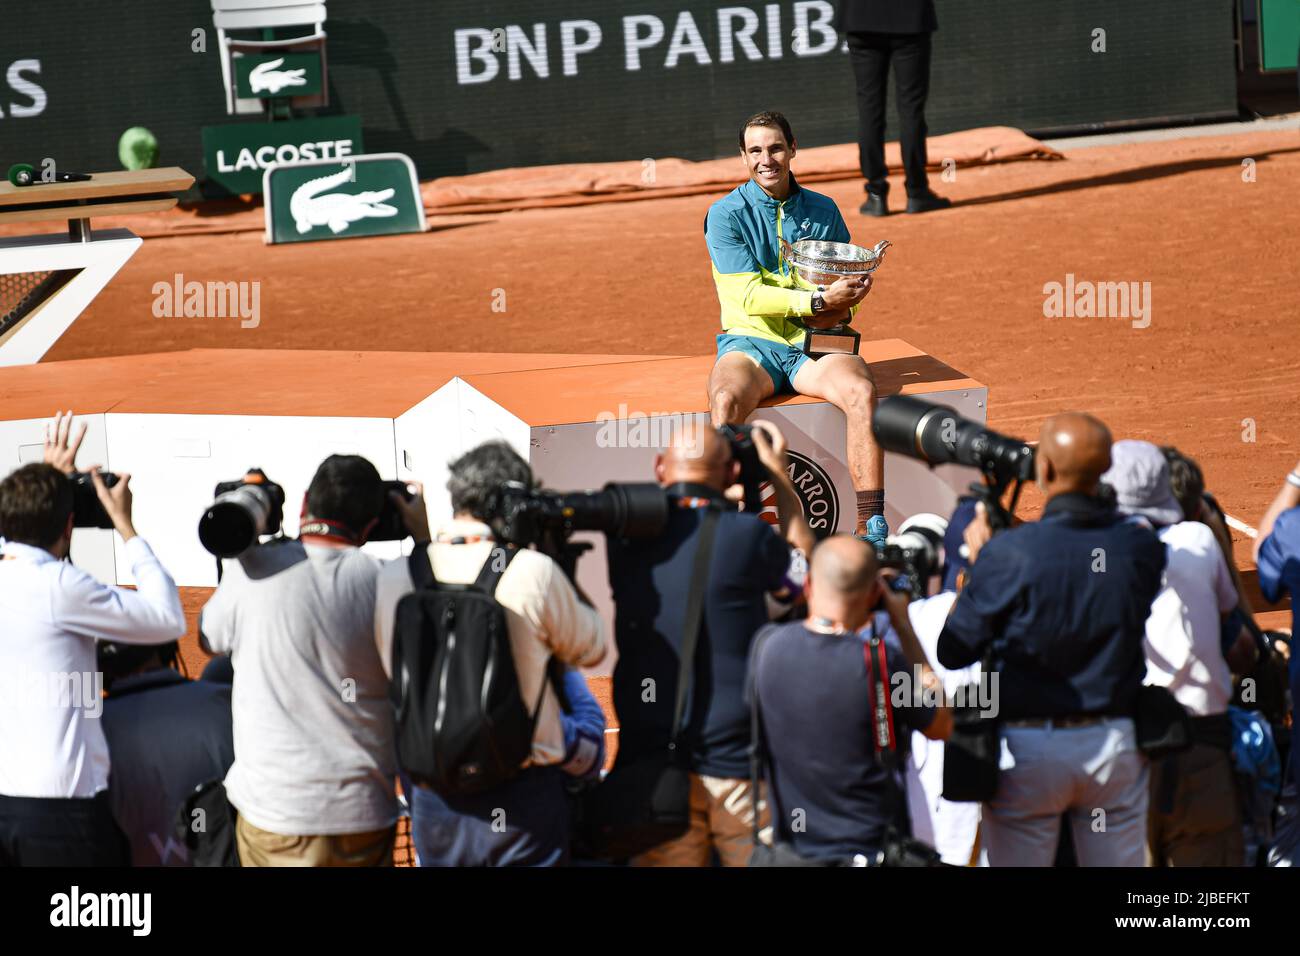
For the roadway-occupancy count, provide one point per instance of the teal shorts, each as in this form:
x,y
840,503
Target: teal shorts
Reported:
x,y
781,362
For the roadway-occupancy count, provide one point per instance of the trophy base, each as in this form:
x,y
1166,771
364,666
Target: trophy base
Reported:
x,y
840,340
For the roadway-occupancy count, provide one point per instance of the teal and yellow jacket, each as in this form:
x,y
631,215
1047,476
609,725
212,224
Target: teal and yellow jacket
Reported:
x,y
757,289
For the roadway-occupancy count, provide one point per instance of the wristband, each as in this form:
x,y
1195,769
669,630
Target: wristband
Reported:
x,y
1293,479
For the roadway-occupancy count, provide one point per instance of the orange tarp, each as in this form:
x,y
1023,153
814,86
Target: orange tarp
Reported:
x,y
580,184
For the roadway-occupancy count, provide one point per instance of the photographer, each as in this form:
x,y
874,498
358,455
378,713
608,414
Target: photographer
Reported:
x,y
836,789
1062,603
54,807
651,582
524,821
315,764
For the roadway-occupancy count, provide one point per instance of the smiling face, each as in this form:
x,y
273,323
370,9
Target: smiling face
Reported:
x,y
767,157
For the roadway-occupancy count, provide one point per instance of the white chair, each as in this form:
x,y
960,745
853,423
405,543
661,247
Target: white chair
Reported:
x,y
244,15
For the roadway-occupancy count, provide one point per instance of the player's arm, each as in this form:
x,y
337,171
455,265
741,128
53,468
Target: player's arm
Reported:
x,y
739,278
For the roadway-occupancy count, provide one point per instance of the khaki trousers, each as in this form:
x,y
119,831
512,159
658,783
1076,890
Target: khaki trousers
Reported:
x,y
258,847
1203,825
722,818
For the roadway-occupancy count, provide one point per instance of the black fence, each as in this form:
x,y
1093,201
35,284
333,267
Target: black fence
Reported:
x,y
470,85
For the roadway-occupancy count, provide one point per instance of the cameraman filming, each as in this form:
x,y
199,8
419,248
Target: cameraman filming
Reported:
x,y
315,763
1063,603
54,806
651,582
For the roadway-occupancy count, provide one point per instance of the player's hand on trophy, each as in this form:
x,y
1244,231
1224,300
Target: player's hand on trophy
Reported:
x,y
846,292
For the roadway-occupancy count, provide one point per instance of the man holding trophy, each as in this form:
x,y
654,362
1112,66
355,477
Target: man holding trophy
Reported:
x,y
789,282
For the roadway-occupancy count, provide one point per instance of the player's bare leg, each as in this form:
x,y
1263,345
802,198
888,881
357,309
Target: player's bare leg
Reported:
x,y
736,385
845,382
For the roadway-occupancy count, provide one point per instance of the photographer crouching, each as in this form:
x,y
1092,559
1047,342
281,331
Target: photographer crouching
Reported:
x,y
688,602
54,806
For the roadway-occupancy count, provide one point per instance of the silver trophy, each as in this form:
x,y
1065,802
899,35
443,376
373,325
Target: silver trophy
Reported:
x,y
821,263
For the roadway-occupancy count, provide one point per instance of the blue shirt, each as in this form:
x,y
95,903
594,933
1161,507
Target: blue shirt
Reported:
x,y
650,582
1064,602
818,732
1279,570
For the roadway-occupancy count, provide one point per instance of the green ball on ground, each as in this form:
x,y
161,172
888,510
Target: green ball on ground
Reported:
x,y
138,149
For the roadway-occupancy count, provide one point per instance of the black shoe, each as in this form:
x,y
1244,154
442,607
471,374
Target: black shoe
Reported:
x,y
927,203
876,205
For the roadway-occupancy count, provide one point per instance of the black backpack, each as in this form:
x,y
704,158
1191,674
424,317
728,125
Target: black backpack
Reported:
x,y
462,726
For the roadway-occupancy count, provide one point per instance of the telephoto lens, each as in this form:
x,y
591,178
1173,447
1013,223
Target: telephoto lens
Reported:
x,y
937,435
243,511
916,551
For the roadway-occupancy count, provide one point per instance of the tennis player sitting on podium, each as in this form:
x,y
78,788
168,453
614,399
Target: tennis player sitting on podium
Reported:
x,y
766,307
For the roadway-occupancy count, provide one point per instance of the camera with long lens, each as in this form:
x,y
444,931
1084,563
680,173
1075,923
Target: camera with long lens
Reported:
x,y
87,510
937,435
546,519
916,552
391,526
242,512
752,472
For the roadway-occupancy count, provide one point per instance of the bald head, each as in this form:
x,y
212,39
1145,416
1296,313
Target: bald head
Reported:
x,y
698,454
842,580
1073,453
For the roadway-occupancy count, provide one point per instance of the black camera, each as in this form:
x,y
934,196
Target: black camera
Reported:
x,y
87,510
752,472
243,511
390,526
937,435
916,552
531,516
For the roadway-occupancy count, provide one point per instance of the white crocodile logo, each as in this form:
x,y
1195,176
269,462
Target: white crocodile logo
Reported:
x,y
265,78
337,210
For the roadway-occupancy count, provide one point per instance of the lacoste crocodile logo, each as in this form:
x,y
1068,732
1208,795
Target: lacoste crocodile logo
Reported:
x,y
311,206
265,78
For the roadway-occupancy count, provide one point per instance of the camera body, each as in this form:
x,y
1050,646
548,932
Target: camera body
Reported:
x,y
87,510
916,552
752,472
250,507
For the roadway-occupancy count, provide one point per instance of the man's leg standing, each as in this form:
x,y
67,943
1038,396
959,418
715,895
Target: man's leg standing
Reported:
x,y
731,819
1021,825
693,847
845,382
869,56
1109,815
911,58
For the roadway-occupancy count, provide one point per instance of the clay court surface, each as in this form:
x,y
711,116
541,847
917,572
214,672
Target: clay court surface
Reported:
x,y
964,285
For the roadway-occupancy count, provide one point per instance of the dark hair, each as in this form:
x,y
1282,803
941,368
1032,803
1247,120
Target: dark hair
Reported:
x,y
477,477
346,489
1186,480
117,661
35,502
771,120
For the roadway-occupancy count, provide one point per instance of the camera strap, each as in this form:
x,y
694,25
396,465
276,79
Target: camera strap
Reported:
x,y
330,531
694,618
882,713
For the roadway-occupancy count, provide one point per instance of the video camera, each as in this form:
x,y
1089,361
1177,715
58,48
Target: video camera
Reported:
x,y
937,435
252,506
87,510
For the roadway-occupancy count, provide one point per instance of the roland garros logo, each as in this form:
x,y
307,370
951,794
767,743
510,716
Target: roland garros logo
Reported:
x,y
816,491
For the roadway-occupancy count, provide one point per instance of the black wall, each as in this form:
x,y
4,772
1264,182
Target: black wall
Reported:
x,y
105,66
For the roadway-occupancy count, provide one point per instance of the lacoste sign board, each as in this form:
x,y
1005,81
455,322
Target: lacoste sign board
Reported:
x,y
285,74
237,155
374,195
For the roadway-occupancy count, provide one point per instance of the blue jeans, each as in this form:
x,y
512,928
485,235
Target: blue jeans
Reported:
x,y
524,822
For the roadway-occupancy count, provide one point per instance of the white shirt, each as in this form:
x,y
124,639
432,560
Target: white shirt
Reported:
x,y
1182,639
51,742
313,728
543,616
948,827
